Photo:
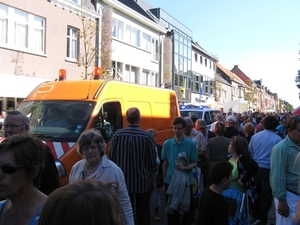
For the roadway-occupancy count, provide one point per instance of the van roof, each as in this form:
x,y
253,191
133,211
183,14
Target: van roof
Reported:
x,y
66,90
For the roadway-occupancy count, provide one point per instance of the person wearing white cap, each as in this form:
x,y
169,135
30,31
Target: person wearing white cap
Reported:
x,y
231,127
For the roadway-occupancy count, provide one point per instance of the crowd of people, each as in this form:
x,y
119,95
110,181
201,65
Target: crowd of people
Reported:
x,y
254,153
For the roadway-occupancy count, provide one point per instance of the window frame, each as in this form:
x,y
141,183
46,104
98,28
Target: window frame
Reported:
x,y
20,25
71,38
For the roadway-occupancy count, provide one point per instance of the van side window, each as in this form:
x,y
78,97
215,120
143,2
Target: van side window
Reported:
x,y
109,120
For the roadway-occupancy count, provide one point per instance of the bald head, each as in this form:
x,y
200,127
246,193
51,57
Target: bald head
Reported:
x,y
133,116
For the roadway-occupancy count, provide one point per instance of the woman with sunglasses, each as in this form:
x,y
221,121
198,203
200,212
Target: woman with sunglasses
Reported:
x,y
95,165
21,162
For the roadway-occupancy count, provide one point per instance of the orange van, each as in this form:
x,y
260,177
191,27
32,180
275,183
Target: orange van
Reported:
x,y
101,104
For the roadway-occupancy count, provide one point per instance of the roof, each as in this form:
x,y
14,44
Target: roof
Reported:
x,y
230,74
196,45
136,7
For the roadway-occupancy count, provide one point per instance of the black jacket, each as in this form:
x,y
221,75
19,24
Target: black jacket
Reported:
x,y
49,177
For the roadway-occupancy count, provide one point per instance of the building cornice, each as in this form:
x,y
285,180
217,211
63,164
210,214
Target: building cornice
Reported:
x,y
135,15
86,10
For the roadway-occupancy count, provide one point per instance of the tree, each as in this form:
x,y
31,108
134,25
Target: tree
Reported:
x,y
297,79
217,84
249,95
18,60
91,50
88,48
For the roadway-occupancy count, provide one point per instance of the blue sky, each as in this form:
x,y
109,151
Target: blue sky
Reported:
x,y
260,36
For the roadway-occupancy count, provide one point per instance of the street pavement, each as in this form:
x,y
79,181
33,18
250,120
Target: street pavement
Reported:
x,y
163,217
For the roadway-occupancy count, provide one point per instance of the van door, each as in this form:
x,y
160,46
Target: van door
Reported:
x,y
109,120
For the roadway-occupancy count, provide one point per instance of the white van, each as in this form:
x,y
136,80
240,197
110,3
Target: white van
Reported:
x,y
200,112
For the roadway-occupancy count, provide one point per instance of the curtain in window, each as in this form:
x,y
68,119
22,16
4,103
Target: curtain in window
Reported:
x,y
21,29
143,77
151,79
38,36
3,24
74,45
128,34
3,30
132,74
120,30
127,72
135,37
146,42
114,28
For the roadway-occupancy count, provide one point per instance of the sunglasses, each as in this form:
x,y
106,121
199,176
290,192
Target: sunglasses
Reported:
x,y
11,169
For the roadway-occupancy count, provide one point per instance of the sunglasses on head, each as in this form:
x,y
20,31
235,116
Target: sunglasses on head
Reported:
x,y
11,169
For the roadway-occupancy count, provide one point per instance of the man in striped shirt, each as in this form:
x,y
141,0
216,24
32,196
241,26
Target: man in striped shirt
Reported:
x,y
285,174
133,150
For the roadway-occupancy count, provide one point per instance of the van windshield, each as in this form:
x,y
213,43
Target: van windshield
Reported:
x,y
191,113
57,121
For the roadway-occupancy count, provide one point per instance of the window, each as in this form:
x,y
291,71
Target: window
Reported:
x,y
132,36
73,43
21,30
155,49
131,74
146,42
3,23
128,34
135,37
209,64
205,62
118,29
109,119
147,78
196,57
143,77
200,59
38,33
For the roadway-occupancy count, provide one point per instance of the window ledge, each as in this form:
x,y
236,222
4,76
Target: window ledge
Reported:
x,y
71,60
23,50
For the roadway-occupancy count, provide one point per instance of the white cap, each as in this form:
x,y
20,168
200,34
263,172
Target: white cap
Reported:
x,y
231,117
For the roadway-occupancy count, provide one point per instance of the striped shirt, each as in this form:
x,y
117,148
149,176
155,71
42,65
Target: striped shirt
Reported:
x,y
133,150
284,174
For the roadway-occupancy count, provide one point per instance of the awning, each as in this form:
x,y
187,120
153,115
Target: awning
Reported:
x,y
16,86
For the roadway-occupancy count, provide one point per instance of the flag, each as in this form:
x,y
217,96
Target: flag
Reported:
x,y
201,92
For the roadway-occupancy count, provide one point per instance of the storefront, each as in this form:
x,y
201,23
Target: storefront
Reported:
x,y
15,88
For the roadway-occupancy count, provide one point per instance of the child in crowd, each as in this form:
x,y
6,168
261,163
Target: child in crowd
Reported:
x,y
159,180
213,208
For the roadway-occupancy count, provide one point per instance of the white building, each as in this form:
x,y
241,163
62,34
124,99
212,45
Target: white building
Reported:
x,y
136,43
203,75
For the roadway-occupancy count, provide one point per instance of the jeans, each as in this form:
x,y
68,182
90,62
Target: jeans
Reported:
x,y
142,207
263,203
